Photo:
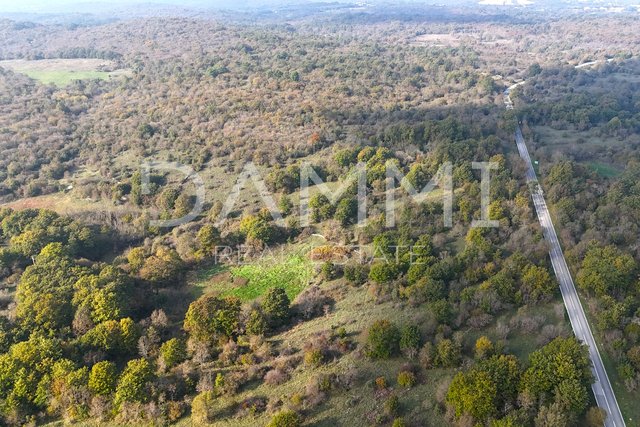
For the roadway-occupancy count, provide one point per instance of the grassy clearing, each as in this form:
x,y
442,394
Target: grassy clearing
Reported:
x,y
289,268
64,78
604,169
573,140
62,72
356,310
293,273
67,204
517,342
590,144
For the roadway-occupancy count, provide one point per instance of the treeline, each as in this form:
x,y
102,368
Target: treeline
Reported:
x,y
598,223
71,53
566,98
551,389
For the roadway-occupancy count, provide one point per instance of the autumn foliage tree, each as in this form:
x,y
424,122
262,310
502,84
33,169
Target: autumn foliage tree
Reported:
x,y
210,319
134,382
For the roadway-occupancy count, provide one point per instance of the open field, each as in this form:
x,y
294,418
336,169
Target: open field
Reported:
x,y
293,273
604,169
248,282
455,39
67,204
289,268
573,139
437,40
61,72
584,146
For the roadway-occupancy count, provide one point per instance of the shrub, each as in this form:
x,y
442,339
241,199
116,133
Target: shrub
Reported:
x,y
398,422
208,237
381,383
325,382
276,306
345,157
100,408
285,419
285,205
406,379
313,357
162,268
328,271
383,272
252,406
202,408
275,377
229,353
410,340
257,228
383,340
321,208
256,324
311,302
173,352
133,383
426,356
595,417
218,384
297,399
175,410
392,406
356,274
442,310
247,359
113,337
210,318
484,347
347,211
231,382
448,354
314,395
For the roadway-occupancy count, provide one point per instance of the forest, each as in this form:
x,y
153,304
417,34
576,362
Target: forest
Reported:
x,y
108,319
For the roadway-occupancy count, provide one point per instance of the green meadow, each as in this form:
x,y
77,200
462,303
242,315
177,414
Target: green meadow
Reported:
x,y
62,72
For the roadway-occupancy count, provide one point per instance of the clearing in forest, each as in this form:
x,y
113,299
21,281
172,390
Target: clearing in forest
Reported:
x,y
62,72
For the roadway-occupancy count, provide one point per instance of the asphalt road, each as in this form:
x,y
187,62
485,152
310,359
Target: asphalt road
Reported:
x,y
605,398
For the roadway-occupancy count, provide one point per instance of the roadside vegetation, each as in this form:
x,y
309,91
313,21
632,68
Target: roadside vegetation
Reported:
x,y
590,185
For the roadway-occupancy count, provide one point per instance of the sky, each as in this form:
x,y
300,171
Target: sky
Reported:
x,y
56,6
64,6
88,6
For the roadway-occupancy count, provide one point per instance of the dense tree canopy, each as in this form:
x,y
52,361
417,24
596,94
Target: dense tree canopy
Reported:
x,y
211,318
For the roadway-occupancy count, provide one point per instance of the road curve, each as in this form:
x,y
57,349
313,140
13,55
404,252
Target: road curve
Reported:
x,y
605,397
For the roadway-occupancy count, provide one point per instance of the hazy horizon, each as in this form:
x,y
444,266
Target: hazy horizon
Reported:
x,y
88,6
66,6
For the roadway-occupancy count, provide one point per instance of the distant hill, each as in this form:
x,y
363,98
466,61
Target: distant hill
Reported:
x,y
506,2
